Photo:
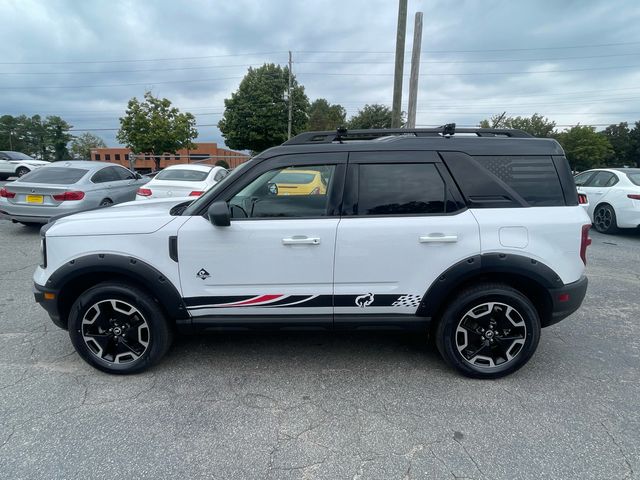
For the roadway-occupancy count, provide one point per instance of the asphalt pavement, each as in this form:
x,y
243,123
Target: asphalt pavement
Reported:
x,y
310,405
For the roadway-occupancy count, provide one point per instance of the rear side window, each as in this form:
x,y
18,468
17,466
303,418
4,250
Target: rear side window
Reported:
x,y
400,189
534,178
54,176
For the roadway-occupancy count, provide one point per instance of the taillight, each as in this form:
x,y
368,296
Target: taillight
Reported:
x,y
315,191
585,241
582,199
634,196
196,193
67,196
144,192
4,193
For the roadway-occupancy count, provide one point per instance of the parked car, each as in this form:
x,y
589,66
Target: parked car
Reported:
x,y
614,197
187,180
62,188
16,164
299,181
478,240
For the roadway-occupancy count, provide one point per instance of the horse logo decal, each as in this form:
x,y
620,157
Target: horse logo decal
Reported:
x,y
364,300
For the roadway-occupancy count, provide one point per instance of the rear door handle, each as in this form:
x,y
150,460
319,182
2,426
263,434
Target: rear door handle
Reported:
x,y
301,240
438,238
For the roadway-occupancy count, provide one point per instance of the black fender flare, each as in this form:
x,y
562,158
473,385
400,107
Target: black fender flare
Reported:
x,y
488,263
124,266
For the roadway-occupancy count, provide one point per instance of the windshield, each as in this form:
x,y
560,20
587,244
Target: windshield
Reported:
x,y
54,176
293,177
204,199
634,177
183,175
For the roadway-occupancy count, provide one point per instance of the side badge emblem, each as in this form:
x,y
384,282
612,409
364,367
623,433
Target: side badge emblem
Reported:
x,y
202,274
364,300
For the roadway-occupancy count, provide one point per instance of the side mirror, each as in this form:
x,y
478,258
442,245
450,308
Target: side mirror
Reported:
x,y
219,214
138,176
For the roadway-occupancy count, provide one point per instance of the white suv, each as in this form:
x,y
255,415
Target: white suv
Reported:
x,y
417,229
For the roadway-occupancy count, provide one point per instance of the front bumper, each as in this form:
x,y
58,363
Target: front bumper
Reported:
x,y
566,300
49,304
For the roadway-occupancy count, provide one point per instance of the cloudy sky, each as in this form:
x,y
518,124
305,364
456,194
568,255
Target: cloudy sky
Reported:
x,y
573,61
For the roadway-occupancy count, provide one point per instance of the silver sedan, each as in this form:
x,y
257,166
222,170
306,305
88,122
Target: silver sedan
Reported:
x,y
62,188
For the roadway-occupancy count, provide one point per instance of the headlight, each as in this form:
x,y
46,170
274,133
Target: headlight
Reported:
x,y
43,252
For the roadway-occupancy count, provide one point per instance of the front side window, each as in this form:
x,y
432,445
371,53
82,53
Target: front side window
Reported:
x,y
106,175
286,192
583,178
124,174
400,189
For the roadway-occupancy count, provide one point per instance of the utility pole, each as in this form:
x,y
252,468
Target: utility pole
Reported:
x,y
290,101
396,111
415,71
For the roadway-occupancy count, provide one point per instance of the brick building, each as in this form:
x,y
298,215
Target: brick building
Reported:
x,y
204,153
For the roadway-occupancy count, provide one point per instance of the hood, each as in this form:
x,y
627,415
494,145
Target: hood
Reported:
x,y
129,218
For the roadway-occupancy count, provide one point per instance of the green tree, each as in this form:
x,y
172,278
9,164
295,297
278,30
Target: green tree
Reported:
x,y
622,142
222,163
634,153
57,137
153,126
535,125
81,145
324,116
371,116
256,116
584,147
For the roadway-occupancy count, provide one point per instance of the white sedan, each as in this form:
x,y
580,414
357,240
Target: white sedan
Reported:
x,y
182,181
614,197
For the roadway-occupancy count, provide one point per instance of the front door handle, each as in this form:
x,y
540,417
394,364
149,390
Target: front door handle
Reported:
x,y
301,240
438,238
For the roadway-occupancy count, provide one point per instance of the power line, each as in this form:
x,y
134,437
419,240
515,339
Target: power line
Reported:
x,y
367,74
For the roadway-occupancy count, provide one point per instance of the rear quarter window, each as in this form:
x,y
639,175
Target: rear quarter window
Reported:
x,y
634,177
54,176
534,178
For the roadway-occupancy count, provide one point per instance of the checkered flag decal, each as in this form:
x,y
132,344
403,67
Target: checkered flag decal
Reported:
x,y
407,301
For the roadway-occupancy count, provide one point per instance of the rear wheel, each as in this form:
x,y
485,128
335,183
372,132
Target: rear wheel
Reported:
x,y
118,328
488,331
604,219
21,171
107,202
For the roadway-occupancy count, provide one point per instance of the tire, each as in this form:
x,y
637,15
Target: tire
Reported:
x,y
22,171
107,202
488,331
119,328
604,219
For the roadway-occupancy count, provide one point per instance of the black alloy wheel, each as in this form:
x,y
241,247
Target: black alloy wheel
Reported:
x,y
604,219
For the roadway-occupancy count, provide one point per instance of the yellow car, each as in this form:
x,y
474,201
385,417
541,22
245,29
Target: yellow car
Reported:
x,y
294,181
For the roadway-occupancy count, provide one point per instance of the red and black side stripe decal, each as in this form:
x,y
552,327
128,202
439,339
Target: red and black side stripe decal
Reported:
x,y
293,301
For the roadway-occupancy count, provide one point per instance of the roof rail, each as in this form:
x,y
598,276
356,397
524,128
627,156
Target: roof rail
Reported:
x,y
447,130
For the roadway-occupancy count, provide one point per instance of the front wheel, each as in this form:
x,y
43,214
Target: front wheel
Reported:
x,y
118,328
604,219
488,331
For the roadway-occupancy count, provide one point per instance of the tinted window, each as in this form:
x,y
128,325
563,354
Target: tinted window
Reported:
x,y
634,177
583,178
400,189
602,179
534,178
19,156
108,174
183,175
54,175
124,174
264,198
